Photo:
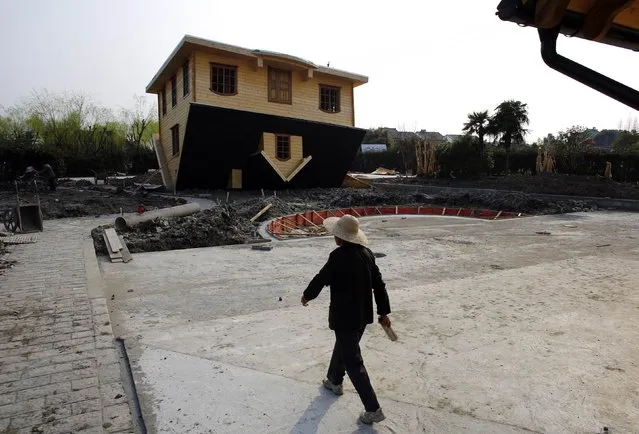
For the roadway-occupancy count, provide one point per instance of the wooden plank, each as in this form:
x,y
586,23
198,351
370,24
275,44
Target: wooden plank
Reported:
x,y
114,242
307,220
126,255
115,256
261,213
321,218
297,170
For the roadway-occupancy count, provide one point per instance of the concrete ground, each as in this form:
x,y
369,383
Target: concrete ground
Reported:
x,y
501,329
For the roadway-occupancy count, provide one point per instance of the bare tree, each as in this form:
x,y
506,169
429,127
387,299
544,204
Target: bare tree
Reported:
x,y
140,121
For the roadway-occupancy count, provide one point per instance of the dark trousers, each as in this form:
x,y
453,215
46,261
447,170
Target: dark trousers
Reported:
x,y
52,184
347,358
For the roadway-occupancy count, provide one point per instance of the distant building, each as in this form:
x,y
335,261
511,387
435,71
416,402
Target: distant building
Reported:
x,y
431,136
604,139
373,147
450,138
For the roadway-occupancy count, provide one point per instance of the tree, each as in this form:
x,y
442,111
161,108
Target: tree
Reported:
x,y
508,125
140,122
570,147
477,124
627,142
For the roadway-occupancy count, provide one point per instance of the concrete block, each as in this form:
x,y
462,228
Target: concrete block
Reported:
x,y
21,407
112,394
26,420
7,398
27,383
119,416
51,389
88,406
50,369
74,375
80,422
84,383
110,373
73,396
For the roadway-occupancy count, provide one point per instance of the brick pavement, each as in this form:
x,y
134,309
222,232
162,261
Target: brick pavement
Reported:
x,y
59,368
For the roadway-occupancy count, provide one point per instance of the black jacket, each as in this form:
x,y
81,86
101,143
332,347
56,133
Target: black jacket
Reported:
x,y
351,273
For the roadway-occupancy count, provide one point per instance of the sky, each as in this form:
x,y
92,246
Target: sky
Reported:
x,y
429,63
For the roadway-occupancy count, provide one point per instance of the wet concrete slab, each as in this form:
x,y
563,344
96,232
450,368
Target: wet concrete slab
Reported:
x,y
501,329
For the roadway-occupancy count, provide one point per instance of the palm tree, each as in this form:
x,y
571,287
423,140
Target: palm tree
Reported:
x,y
478,124
508,124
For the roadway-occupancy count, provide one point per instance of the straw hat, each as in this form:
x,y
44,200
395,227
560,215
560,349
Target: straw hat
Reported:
x,y
346,228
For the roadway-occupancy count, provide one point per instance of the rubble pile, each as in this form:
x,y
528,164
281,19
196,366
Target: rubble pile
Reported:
x,y
511,201
221,225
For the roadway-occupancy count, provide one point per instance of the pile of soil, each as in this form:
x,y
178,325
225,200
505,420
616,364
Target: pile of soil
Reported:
x,y
92,201
569,185
511,201
154,178
221,225
327,199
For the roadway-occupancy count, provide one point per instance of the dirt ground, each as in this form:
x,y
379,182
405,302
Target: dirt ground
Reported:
x,y
542,184
229,223
84,199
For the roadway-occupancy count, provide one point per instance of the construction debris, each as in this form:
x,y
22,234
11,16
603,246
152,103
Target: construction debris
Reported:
x,y
124,221
262,247
262,211
20,239
116,247
384,171
352,182
231,223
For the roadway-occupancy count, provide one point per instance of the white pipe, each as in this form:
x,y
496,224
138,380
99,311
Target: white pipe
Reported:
x,y
124,221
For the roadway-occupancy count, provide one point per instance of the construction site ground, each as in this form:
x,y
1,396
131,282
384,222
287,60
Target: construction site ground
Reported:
x,y
83,199
569,185
229,221
521,325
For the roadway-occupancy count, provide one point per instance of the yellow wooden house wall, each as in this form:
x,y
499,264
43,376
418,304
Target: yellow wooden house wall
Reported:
x,y
252,91
175,115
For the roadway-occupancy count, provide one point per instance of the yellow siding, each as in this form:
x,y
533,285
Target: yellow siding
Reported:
x,y
252,92
175,115
297,155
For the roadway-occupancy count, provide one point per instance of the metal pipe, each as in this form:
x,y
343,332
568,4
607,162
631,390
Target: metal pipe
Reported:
x,y
124,221
587,76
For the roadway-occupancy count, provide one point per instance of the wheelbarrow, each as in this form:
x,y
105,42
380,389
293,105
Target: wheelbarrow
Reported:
x,y
26,216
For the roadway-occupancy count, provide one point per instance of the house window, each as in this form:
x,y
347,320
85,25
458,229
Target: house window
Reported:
x,y
223,79
175,138
329,99
186,80
163,102
283,148
173,91
279,86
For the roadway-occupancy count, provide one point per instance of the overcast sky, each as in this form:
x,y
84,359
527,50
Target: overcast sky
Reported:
x,y
429,63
